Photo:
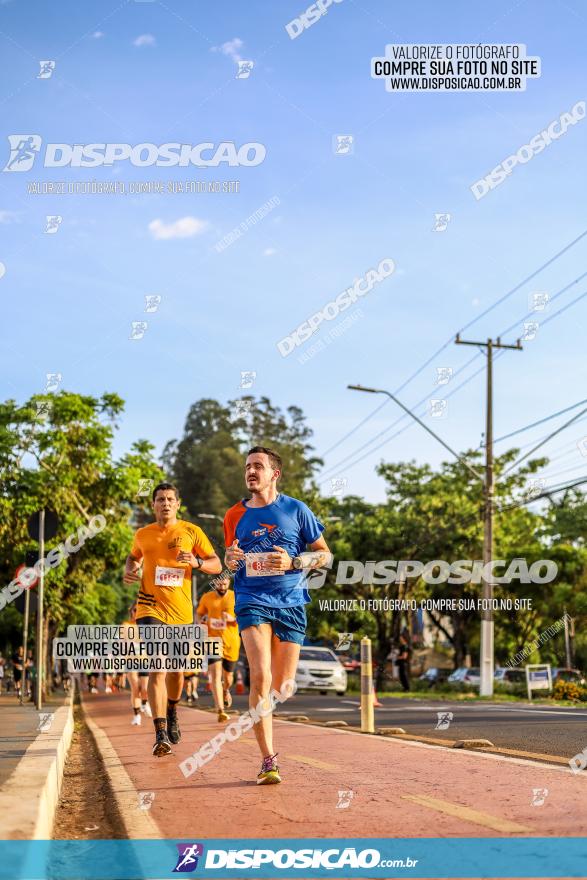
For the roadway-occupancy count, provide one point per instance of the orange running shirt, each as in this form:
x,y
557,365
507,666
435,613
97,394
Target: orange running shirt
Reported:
x,y
166,585
212,605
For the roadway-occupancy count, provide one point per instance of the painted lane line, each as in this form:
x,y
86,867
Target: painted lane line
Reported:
x,y
468,815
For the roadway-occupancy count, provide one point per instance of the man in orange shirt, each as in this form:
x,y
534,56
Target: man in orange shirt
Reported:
x,y
216,610
167,551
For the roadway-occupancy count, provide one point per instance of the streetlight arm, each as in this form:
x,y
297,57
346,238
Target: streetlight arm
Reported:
x,y
477,475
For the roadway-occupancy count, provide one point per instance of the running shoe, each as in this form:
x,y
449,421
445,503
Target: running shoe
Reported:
x,y
173,728
136,721
269,773
222,716
162,745
227,698
147,710
108,690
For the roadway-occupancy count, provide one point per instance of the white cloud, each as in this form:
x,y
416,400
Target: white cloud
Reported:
x,y
268,252
144,40
230,49
97,34
186,227
10,216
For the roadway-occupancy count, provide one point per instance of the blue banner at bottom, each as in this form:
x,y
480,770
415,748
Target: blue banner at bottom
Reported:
x,y
307,858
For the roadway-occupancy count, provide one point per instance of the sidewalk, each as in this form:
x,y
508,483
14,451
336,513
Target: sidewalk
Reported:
x,y
398,789
31,765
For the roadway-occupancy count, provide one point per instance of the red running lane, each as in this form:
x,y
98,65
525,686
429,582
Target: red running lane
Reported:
x,y
399,789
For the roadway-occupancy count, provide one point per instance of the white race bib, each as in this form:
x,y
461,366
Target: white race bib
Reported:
x,y
169,577
258,565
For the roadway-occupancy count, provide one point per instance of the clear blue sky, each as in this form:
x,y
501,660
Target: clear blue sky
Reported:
x,y
158,72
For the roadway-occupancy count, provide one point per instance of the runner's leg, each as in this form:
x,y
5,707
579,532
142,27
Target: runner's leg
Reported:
x,y
157,694
284,662
257,642
215,676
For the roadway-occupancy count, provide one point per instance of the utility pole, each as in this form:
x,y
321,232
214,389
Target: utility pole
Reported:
x,y
487,651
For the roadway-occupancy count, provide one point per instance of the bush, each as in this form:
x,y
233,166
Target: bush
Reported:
x,y
568,690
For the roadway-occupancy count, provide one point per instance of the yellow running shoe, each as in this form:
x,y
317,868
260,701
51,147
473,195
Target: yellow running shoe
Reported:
x,y
222,716
269,774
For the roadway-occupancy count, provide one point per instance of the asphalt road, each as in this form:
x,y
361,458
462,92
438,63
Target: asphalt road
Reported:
x,y
552,731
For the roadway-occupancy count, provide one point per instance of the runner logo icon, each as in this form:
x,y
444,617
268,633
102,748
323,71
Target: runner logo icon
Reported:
x,y
188,855
23,151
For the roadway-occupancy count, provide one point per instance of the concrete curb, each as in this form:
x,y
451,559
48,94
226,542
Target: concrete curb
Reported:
x,y
29,798
138,824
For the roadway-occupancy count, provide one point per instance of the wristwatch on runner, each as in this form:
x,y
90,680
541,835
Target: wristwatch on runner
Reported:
x,y
297,563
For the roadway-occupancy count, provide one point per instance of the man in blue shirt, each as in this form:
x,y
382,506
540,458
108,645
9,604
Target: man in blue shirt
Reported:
x,y
266,537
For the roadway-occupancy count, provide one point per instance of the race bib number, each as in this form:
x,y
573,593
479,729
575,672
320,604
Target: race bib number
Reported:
x,y
217,623
258,565
169,577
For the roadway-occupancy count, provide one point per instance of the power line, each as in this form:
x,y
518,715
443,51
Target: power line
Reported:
x,y
369,442
540,421
449,341
542,442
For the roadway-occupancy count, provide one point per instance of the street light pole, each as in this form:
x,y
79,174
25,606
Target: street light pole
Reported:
x,y
487,627
486,648
40,597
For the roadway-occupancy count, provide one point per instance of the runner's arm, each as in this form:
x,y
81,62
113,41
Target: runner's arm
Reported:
x,y
319,556
131,570
206,564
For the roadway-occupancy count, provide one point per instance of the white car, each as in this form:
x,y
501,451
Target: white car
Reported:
x,y
320,669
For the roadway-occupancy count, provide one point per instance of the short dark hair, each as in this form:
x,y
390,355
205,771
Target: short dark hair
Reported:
x,y
274,457
163,486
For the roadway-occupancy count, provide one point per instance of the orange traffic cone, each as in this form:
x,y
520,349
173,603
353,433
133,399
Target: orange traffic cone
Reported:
x,y
240,685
